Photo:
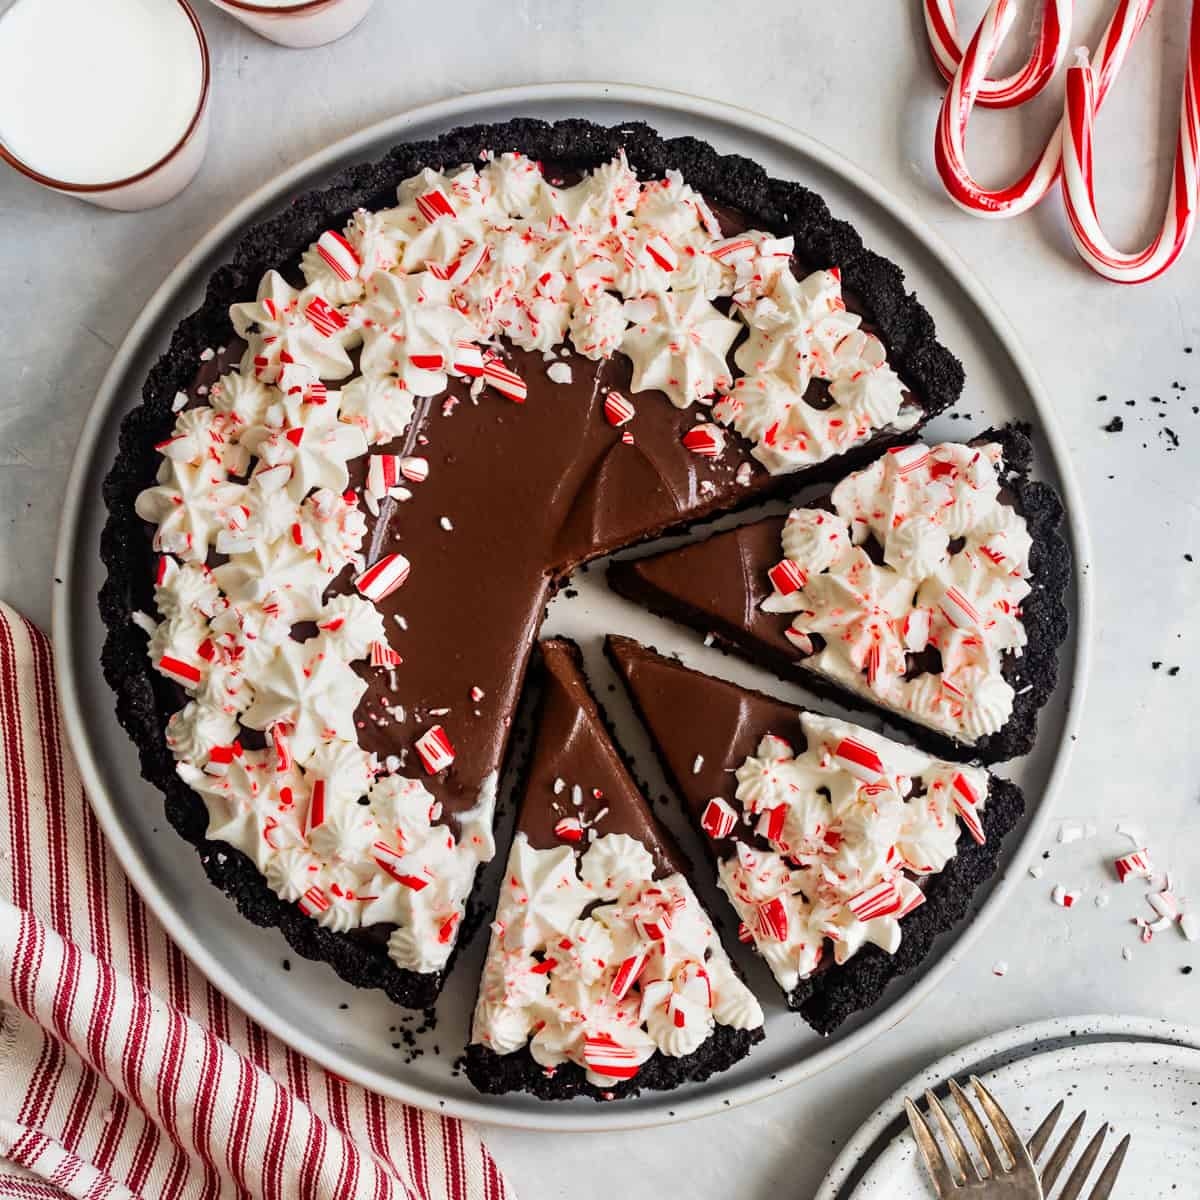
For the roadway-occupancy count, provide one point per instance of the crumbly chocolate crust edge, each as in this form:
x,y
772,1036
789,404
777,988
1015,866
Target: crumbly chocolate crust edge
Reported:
x,y
143,701
828,999
494,1073
1033,674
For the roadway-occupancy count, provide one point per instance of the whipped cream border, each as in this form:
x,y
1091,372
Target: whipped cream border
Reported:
x,y
257,473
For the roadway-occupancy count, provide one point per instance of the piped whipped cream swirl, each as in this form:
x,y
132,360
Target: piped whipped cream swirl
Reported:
x,y
254,521
954,571
594,961
843,829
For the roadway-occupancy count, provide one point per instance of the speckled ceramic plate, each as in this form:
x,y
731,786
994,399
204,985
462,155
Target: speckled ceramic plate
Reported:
x,y
361,1035
1141,1076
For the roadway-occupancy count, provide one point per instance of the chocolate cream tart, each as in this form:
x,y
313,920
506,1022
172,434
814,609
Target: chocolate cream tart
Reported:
x,y
928,585
409,407
843,853
604,974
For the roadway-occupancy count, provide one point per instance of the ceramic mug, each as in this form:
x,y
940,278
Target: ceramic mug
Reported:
x,y
149,186
298,23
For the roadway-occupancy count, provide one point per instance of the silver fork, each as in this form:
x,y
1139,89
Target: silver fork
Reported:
x,y
1054,1165
995,1179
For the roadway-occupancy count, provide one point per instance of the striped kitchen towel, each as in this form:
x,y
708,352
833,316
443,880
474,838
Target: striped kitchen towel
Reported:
x,y
122,1071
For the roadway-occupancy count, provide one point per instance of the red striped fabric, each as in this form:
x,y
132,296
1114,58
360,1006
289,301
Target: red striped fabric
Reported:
x,y
125,1073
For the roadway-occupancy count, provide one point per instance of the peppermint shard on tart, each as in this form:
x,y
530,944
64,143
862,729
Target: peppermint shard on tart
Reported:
x,y
929,584
843,853
604,974
410,406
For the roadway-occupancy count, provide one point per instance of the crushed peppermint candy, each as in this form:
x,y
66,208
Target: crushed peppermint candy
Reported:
x,y
559,372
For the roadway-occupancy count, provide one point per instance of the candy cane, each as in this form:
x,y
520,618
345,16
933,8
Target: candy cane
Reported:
x,y
1083,98
1044,60
949,141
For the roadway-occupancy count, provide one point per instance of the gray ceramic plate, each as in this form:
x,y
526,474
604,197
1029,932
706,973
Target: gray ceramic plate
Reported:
x,y
302,1005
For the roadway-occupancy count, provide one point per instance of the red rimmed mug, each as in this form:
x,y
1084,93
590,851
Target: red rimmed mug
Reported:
x,y
160,179
298,23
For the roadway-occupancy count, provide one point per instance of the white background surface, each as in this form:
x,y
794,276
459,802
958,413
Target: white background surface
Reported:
x,y
857,76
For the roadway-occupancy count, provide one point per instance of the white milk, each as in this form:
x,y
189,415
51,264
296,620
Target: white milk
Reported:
x,y
93,91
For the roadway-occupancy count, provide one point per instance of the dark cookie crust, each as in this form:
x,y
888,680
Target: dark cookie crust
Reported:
x,y
517,1072
144,700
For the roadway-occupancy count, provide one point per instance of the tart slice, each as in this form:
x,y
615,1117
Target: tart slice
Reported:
x,y
604,974
844,853
929,584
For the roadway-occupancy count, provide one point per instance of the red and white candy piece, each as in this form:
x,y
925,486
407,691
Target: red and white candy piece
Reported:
x,y
787,577
1136,865
705,439
800,640
323,317
435,749
1062,897
771,822
1078,140
941,24
383,474
718,818
316,805
569,829
604,1055
381,580
338,254
313,901
916,629
414,468
180,670
618,410
958,609
467,360
283,749
627,974
771,920
966,804
434,204
662,252
907,459
382,655
883,899
388,859
860,760
507,383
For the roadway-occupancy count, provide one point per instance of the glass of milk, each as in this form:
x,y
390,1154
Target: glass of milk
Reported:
x,y
106,100
298,23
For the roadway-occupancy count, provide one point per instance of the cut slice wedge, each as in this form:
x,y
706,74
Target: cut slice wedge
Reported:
x,y
928,585
604,974
844,853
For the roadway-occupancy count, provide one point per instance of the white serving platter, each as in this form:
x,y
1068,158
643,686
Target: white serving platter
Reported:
x,y
301,1004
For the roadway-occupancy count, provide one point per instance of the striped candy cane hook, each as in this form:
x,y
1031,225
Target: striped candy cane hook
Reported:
x,y
941,23
1083,99
949,141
